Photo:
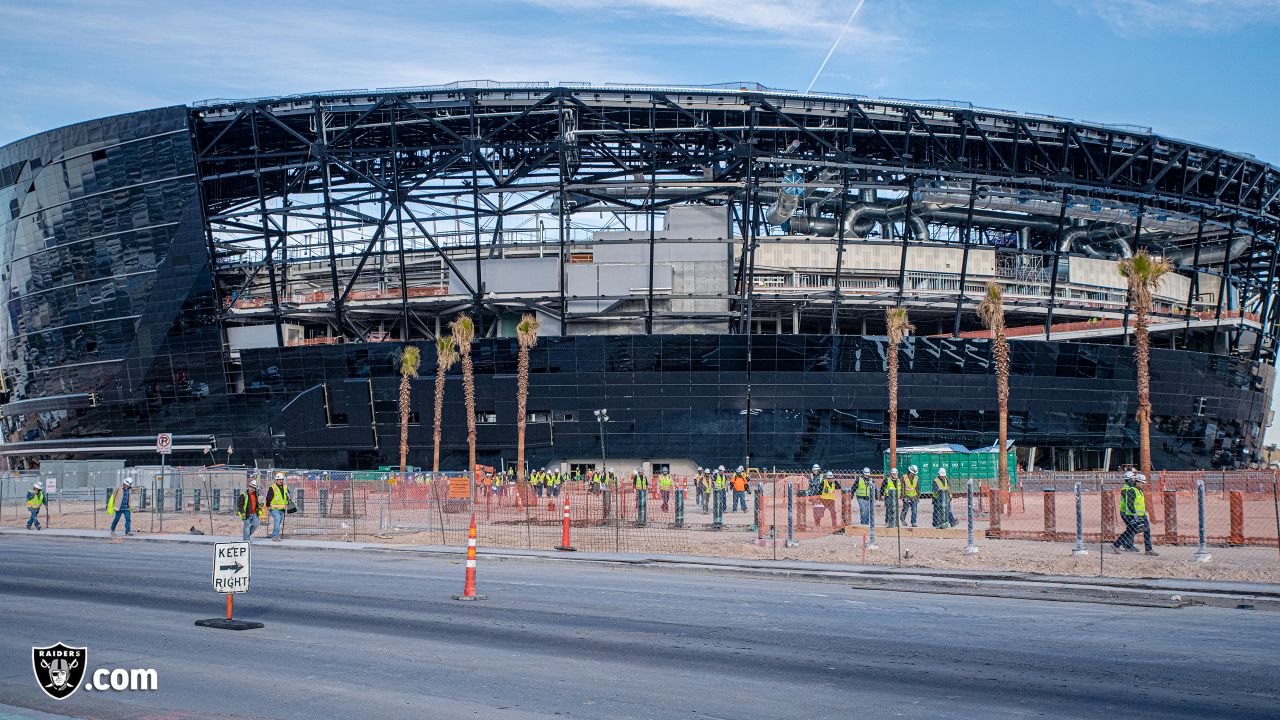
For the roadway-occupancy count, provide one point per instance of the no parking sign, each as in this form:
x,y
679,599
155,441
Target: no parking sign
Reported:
x,y
164,443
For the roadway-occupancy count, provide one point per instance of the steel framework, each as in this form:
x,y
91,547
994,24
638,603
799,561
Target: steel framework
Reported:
x,y
348,209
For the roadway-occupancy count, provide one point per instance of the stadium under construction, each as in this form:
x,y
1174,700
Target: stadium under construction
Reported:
x,y
711,264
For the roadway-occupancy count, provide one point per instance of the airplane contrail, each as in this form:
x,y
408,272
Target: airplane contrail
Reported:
x,y
835,44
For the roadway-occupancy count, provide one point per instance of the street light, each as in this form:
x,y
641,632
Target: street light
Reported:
x,y
602,417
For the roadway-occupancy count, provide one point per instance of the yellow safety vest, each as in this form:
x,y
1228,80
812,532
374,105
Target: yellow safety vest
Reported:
x,y
863,488
890,487
641,482
828,489
1137,502
37,499
940,483
911,486
279,497
719,481
664,481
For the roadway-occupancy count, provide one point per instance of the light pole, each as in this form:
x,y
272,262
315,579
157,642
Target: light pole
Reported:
x,y
602,417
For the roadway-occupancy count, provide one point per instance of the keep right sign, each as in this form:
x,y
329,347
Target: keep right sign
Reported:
x,y
231,567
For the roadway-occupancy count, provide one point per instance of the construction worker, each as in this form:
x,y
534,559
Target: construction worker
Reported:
x,y
889,490
941,500
535,479
250,509
910,494
641,483
862,491
719,488
698,486
557,478
664,489
827,497
118,504
277,504
739,483
815,481
35,502
1133,509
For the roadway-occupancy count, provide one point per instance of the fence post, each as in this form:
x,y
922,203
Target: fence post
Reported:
x,y
1202,555
1170,517
301,500
195,499
757,519
680,505
1050,514
324,500
846,508
1079,549
871,526
969,548
790,516
93,504
217,499
1236,500
993,507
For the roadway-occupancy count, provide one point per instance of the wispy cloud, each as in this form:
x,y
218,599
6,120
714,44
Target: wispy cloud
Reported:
x,y
1143,16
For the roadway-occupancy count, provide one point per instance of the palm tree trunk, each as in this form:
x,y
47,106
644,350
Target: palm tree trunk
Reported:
x,y
1142,356
404,423
469,395
1002,397
435,454
522,400
893,405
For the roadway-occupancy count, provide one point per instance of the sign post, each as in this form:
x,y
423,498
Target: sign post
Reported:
x,y
230,576
164,446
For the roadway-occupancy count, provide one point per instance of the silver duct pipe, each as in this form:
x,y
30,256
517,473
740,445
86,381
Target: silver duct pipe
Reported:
x,y
782,209
1212,255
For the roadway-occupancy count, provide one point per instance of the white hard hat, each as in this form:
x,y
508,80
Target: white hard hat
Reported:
x,y
128,481
815,466
279,475
942,472
913,469
1140,478
253,482
1128,474
866,471
721,468
893,472
37,485
740,468
610,469
830,474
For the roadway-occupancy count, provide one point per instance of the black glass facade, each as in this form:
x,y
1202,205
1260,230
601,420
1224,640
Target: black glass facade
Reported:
x,y
112,331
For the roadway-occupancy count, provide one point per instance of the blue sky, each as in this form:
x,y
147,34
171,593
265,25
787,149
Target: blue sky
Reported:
x,y
1202,70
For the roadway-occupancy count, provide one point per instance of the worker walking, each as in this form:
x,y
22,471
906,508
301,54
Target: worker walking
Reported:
x,y
35,502
118,504
664,489
250,509
719,489
740,489
827,497
701,488
1133,509
277,505
889,491
910,494
862,491
641,484
941,500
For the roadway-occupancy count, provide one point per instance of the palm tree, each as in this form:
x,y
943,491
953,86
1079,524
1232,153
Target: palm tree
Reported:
x,y
527,334
410,359
464,331
446,357
1144,274
899,327
991,312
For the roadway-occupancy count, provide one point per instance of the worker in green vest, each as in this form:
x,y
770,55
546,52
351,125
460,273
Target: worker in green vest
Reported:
x,y
641,483
35,502
118,505
828,488
910,494
719,497
862,491
1133,509
277,505
889,491
941,500
535,479
664,488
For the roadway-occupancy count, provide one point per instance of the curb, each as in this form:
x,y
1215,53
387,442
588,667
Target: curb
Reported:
x,y
1016,586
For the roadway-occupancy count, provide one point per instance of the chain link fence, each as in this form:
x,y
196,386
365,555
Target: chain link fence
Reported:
x,y
1202,524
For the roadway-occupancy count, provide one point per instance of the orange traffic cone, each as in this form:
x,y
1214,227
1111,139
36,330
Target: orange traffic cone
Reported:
x,y
564,531
469,587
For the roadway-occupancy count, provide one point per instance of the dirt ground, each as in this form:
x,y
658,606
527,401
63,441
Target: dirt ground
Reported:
x,y
1248,564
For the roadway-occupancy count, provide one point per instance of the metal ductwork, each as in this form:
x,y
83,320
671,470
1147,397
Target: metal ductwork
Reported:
x,y
1212,255
860,219
1088,238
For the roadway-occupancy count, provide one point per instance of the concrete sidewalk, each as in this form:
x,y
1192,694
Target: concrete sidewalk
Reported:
x,y
1147,592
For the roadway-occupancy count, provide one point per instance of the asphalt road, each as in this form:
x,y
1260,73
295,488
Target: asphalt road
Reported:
x,y
376,635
